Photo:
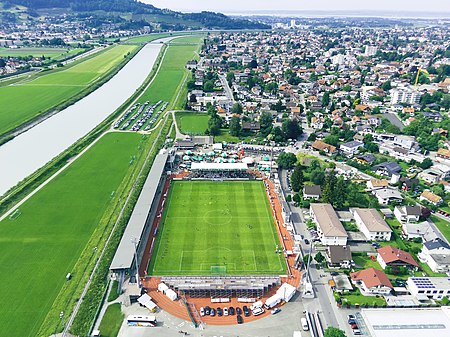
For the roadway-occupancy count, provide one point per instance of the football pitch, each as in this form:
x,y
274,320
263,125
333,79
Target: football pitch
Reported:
x,y
211,228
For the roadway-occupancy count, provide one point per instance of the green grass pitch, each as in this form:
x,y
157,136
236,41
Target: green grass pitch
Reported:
x,y
212,228
192,123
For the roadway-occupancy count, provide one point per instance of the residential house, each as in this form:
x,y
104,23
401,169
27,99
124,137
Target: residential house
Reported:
x,y
443,153
372,281
339,256
329,228
408,214
351,148
436,254
371,224
251,126
430,176
389,256
367,159
312,192
386,196
409,184
387,169
433,115
431,198
321,146
374,184
419,230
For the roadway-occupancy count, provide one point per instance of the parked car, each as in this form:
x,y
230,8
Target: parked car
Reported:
x,y
354,326
275,311
246,311
213,312
357,332
231,310
202,311
258,311
239,319
219,312
238,311
225,311
207,310
351,317
334,273
306,241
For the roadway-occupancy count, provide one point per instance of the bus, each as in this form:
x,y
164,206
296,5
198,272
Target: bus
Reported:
x,y
135,320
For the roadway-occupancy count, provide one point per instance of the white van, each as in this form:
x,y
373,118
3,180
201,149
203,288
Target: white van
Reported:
x,y
305,325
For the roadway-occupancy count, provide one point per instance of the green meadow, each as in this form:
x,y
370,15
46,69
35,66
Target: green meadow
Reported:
x,y
42,241
24,100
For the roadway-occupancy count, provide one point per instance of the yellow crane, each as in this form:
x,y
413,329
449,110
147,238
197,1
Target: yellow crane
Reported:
x,y
419,71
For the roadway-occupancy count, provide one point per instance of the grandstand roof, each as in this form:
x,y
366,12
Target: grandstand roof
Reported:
x,y
124,256
219,167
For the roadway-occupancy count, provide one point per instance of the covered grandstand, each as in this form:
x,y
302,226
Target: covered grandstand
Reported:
x,y
138,229
219,167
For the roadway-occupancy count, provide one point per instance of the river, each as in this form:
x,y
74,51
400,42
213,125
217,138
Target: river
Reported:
x,y
31,150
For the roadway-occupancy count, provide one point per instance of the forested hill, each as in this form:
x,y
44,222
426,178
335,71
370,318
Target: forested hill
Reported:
x,y
141,11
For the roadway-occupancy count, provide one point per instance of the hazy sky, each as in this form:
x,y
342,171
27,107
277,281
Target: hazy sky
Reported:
x,y
248,5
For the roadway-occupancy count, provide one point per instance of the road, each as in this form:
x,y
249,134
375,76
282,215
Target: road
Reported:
x,y
227,88
393,118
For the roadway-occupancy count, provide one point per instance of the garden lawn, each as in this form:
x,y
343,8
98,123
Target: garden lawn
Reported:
x,y
192,123
217,228
25,100
42,241
442,225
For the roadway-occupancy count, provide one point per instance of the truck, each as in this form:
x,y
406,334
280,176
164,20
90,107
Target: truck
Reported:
x,y
272,301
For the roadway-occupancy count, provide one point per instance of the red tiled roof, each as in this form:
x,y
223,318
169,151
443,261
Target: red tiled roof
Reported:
x,y
390,254
372,278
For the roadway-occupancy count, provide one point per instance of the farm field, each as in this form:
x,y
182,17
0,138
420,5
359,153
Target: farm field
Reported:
x,y
37,52
44,239
217,228
170,77
24,100
192,123
151,37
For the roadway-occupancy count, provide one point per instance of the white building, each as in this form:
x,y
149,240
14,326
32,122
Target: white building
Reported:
x,y
351,148
387,195
329,228
405,95
370,51
371,224
407,214
436,254
432,287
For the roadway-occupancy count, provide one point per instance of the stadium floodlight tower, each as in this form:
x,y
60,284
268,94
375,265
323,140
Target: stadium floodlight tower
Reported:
x,y
135,241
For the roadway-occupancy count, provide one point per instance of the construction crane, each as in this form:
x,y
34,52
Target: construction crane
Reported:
x,y
419,71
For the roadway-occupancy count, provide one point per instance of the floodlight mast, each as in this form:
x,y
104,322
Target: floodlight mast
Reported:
x,y
135,241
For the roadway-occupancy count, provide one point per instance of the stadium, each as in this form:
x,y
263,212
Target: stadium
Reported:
x,y
211,232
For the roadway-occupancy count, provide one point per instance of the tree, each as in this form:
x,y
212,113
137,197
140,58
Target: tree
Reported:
x,y
286,160
306,259
386,86
253,64
208,86
291,129
235,126
230,78
297,178
329,189
2,63
237,109
426,163
326,99
317,176
265,122
319,258
341,193
214,122
333,332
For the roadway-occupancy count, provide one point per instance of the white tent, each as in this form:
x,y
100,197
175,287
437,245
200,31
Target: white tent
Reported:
x,y
286,292
147,302
171,294
162,287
